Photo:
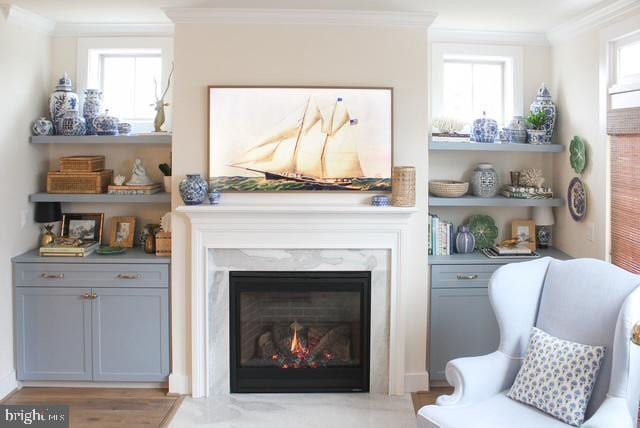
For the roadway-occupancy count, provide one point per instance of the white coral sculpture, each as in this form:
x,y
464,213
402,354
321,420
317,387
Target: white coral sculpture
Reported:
x,y
119,180
448,125
531,177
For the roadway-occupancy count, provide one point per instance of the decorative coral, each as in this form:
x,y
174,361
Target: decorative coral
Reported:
x,y
531,177
448,125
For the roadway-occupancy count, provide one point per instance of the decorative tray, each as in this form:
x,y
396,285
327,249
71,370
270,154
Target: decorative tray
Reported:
x,y
492,254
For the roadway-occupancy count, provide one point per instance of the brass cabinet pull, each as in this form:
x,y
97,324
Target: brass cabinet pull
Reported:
x,y
52,275
86,296
461,276
129,276
94,296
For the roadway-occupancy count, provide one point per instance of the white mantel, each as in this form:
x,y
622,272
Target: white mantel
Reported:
x,y
235,226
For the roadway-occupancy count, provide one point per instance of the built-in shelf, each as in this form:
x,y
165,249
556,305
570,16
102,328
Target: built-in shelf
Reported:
x,y
133,255
156,198
458,145
162,139
477,258
496,201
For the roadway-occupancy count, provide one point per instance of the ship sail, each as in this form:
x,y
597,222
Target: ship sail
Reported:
x,y
340,155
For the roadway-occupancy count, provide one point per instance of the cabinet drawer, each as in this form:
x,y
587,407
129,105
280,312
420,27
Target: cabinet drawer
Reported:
x,y
461,276
91,275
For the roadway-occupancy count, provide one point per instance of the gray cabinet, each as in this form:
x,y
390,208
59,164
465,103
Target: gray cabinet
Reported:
x,y
84,319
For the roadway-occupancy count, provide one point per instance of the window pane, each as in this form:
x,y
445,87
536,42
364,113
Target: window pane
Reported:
x,y
147,69
629,60
118,85
458,91
488,91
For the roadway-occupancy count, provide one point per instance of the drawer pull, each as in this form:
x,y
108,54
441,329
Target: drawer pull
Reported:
x,y
94,296
461,276
129,276
52,275
86,296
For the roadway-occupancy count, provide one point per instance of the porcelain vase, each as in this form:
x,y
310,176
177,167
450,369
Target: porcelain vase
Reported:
x,y
42,126
484,180
193,189
106,124
92,108
62,100
484,130
72,124
518,129
536,136
465,241
543,102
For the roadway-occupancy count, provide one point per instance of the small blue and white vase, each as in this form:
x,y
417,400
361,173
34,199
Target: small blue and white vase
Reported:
x,y
193,189
124,128
62,100
518,130
42,126
465,241
91,108
214,197
543,102
72,124
380,201
105,124
484,130
484,181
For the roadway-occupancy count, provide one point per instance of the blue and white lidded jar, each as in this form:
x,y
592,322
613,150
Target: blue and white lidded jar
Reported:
x,y
42,126
484,130
91,108
72,124
62,100
484,180
465,241
124,128
518,129
193,189
543,102
214,197
105,124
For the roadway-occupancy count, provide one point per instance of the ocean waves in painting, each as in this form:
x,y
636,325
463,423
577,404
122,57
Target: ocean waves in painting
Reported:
x,y
259,184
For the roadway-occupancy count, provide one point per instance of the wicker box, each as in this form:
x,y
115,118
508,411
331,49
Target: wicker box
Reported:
x,y
79,182
163,244
81,163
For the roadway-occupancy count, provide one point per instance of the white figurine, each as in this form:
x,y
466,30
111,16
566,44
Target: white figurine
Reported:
x,y
139,175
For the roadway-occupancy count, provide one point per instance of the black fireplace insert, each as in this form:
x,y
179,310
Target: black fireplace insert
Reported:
x,y
299,331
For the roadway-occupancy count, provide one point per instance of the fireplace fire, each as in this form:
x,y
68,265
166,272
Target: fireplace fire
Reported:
x,y
299,331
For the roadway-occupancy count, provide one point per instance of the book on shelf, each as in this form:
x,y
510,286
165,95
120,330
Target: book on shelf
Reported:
x,y
82,250
517,250
147,189
440,236
527,192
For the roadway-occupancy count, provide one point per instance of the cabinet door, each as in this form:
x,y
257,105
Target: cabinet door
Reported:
x,y
130,334
462,325
53,333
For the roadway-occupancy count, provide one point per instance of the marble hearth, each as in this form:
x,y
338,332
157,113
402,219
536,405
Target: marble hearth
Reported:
x,y
295,238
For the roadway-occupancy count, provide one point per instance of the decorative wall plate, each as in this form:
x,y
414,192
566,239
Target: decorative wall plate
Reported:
x,y
578,154
577,199
484,229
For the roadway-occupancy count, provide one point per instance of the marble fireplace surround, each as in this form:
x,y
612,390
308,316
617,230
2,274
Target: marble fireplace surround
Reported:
x,y
284,237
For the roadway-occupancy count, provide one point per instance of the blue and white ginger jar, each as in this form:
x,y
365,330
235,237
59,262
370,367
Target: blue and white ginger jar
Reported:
x,y
91,108
543,102
62,100
465,241
484,130
105,124
72,124
484,181
193,189
42,126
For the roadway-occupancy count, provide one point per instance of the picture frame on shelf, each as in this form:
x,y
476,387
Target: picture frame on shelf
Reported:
x,y
85,226
525,232
123,231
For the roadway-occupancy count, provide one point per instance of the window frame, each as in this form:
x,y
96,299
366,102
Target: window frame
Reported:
x,y
618,84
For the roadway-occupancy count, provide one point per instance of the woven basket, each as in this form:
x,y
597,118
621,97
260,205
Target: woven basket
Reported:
x,y
81,163
79,182
163,244
403,186
448,188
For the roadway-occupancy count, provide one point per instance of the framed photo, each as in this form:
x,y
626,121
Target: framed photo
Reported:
x,y
300,138
85,226
525,232
123,232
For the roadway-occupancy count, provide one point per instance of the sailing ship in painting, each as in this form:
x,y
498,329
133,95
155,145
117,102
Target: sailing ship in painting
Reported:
x,y
313,148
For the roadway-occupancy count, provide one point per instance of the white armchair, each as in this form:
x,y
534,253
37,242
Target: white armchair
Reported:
x,y
583,300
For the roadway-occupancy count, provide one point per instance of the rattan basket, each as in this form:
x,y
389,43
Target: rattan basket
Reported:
x,y
79,182
163,244
403,186
81,163
448,188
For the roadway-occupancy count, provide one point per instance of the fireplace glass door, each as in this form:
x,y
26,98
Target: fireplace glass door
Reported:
x,y
299,331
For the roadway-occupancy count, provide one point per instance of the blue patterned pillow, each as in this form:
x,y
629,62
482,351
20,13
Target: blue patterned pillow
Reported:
x,y
558,376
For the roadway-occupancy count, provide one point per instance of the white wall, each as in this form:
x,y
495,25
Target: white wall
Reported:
x,y
24,84
301,55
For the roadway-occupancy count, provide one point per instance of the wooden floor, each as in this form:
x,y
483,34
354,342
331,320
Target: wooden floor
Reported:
x,y
424,398
105,407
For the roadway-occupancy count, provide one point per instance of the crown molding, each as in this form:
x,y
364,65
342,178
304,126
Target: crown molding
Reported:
x,y
299,17
592,19
105,30
445,35
19,16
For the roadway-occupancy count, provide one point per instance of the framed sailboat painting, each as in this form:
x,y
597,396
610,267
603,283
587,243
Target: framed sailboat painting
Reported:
x,y
295,138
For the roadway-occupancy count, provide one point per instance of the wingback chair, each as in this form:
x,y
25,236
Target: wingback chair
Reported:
x,y
583,300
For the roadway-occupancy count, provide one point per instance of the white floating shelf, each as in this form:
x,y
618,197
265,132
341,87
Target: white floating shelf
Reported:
x,y
496,201
156,198
458,145
103,139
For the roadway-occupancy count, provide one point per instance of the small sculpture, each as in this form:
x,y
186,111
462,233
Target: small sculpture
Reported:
x,y
119,180
160,104
448,125
139,175
531,177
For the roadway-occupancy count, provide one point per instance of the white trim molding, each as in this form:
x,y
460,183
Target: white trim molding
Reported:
x,y
414,382
8,384
295,227
33,21
592,19
299,17
64,29
445,35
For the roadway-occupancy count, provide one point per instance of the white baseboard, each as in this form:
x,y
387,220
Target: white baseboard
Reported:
x,y
85,384
179,384
416,382
8,384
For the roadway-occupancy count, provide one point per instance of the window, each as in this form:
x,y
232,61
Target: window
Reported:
x,y
626,61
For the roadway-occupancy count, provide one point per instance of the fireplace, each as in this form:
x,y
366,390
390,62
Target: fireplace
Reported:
x,y
303,331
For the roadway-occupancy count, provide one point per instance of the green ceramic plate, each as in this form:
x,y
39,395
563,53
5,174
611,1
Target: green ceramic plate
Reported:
x,y
484,229
578,154
110,251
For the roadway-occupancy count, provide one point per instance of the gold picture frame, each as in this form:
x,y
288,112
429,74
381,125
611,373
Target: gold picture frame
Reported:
x,y
85,226
123,231
524,231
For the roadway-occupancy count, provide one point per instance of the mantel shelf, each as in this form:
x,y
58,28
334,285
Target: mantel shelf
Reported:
x,y
496,201
156,198
146,139
494,147
293,209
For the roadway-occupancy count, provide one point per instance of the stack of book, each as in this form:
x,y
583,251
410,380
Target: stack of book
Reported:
x,y
130,189
440,237
527,192
61,250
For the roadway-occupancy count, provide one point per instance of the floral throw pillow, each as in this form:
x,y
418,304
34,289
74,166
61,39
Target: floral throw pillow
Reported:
x,y
557,376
